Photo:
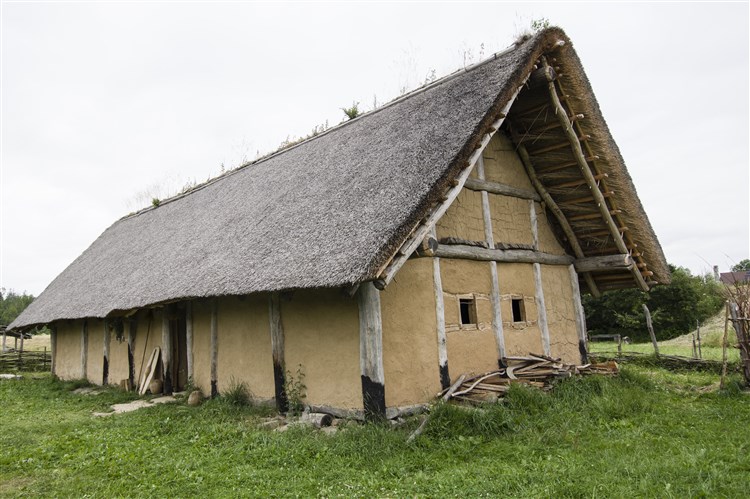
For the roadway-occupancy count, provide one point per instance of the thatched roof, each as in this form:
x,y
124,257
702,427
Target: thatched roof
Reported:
x,y
328,212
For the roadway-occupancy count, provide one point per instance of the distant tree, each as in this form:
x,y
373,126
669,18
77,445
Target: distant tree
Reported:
x,y
743,265
12,304
674,307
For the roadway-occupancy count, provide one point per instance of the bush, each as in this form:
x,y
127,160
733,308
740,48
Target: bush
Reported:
x,y
238,393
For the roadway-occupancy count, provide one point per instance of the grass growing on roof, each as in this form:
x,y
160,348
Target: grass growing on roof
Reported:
x,y
648,432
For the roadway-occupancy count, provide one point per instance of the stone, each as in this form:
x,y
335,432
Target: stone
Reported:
x,y
195,398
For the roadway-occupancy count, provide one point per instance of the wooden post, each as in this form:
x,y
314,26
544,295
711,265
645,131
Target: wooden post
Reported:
x,y
277,351
105,361
580,315
21,334
724,346
214,347
53,348
132,327
698,333
541,309
166,350
437,287
497,318
84,348
371,351
189,339
695,347
650,327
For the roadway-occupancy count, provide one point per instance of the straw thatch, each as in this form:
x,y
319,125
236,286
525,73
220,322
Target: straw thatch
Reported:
x,y
328,212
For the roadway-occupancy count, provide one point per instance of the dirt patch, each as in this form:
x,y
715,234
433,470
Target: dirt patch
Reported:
x,y
135,405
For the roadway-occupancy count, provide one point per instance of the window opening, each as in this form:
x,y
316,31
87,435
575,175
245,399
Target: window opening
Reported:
x,y
519,314
468,311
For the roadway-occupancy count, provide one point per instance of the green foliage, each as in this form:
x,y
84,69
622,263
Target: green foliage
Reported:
x,y
675,307
237,394
352,112
743,265
296,391
540,24
155,202
12,304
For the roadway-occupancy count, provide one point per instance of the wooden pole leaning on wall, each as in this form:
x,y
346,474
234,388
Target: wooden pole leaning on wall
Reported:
x,y
558,214
214,347
371,351
105,361
166,350
575,144
84,348
277,352
189,338
442,340
650,327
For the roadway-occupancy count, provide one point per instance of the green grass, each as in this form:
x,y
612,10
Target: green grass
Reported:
x,y
648,432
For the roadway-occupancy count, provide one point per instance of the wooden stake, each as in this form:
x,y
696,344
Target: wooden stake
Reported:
x,y
650,327
277,352
214,346
371,351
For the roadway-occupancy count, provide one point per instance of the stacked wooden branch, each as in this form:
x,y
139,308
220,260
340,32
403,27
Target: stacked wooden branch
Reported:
x,y
536,370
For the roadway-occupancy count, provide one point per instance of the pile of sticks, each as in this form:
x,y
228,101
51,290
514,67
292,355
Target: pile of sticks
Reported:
x,y
535,370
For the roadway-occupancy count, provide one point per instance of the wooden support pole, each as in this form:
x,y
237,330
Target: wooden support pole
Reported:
x,y
166,350
371,351
105,362
132,328
277,351
467,252
591,179
580,315
84,348
534,226
558,214
442,341
22,335
541,309
501,189
214,346
53,348
650,327
189,339
698,334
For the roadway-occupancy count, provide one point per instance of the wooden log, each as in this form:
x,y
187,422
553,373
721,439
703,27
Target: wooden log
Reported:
x,y
541,308
501,189
442,341
534,227
371,351
316,419
166,350
277,352
105,361
579,314
466,252
604,263
132,328
189,339
650,327
214,348
84,349
338,413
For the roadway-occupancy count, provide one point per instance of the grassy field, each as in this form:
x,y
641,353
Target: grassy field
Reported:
x,y
647,432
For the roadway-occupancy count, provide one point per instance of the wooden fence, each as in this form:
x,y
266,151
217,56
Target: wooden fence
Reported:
x,y
29,360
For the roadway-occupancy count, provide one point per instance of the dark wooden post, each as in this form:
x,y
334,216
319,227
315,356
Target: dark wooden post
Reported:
x,y
105,361
371,351
166,350
132,327
53,347
214,347
189,339
84,348
277,351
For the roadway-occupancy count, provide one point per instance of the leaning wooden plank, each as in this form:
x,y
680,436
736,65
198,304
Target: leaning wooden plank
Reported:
x,y
154,363
142,384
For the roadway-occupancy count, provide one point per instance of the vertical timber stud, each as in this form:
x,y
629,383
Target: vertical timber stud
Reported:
x,y
105,362
214,347
84,348
371,351
132,326
437,286
166,349
541,308
580,315
277,350
53,347
189,339
497,319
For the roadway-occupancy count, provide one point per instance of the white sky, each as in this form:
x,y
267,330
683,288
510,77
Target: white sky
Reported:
x,y
103,101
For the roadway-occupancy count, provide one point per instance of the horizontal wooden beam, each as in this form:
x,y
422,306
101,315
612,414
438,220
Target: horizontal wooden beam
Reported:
x,y
462,251
575,183
600,263
504,190
584,199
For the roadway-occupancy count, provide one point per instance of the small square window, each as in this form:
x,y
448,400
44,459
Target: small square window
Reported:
x,y
519,312
468,311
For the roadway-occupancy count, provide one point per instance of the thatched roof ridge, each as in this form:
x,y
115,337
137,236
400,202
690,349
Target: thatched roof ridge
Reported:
x,y
327,212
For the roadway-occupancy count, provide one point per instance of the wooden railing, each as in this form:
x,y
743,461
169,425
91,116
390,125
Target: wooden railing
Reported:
x,y
29,360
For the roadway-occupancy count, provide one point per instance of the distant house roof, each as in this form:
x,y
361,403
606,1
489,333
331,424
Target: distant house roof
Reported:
x,y
730,278
335,209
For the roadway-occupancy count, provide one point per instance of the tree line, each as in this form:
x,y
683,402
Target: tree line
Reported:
x,y
12,304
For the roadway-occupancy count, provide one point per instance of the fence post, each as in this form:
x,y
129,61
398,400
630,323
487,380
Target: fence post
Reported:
x,y
650,327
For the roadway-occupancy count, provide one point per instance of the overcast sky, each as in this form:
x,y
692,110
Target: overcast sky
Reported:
x,y
106,104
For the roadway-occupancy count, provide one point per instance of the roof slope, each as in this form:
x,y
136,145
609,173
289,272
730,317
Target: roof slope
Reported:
x,y
327,212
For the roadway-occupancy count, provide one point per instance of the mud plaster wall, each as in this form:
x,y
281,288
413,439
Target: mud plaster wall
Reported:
x,y
118,357
68,350
244,344
547,240
95,352
410,348
502,164
202,345
321,333
558,298
516,280
464,218
147,337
